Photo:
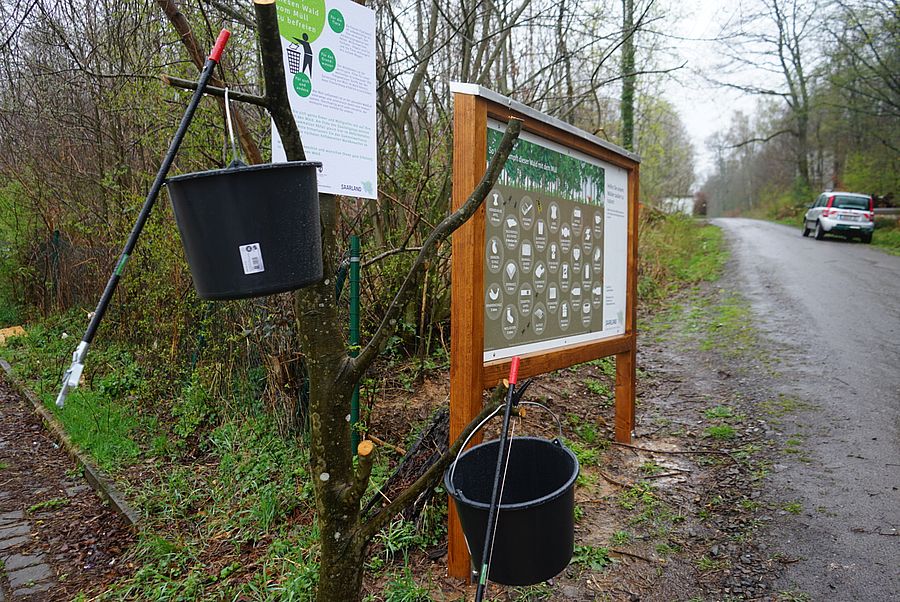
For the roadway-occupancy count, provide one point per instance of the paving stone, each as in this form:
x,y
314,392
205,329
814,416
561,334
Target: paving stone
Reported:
x,y
14,530
34,589
28,576
73,491
9,544
2,595
17,561
8,517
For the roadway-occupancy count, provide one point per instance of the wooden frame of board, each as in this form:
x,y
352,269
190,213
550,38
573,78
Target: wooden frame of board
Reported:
x,y
470,375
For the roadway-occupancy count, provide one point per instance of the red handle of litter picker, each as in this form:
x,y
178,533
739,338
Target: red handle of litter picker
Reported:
x,y
216,53
514,370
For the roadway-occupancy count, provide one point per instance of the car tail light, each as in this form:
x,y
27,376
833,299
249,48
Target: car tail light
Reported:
x,y
870,216
829,212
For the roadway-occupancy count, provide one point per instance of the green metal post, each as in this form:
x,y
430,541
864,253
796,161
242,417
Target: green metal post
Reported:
x,y
354,334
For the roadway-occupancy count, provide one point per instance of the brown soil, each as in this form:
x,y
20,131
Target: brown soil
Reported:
x,y
695,535
82,539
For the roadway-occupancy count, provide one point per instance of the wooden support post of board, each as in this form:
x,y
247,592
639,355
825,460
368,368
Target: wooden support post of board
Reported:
x,y
467,325
625,375
626,362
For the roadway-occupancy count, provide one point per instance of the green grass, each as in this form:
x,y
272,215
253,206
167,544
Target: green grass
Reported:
x,y
783,405
677,251
597,387
620,538
728,326
100,415
749,505
402,587
534,593
640,493
48,505
587,456
667,549
720,432
707,564
718,412
887,238
650,468
595,558
793,596
607,366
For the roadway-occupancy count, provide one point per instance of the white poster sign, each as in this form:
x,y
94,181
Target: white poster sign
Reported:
x,y
329,62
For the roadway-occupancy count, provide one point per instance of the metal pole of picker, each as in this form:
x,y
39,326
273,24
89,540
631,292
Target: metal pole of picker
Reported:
x,y
354,335
73,374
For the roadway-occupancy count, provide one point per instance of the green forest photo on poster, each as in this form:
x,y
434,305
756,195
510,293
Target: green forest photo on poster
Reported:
x,y
534,167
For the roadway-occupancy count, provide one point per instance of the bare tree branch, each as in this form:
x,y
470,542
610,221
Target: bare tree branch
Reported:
x,y
431,476
186,84
429,247
763,139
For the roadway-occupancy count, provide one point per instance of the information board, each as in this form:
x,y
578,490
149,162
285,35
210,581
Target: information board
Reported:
x,y
329,61
546,270
555,248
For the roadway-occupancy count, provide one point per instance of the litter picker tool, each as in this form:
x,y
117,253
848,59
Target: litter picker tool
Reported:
x,y
499,478
73,374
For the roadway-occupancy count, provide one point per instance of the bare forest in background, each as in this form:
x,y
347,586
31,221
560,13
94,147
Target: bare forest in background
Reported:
x,y
828,108
85,118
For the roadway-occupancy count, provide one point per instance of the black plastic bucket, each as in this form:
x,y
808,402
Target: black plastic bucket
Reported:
x,y
535,535
250,231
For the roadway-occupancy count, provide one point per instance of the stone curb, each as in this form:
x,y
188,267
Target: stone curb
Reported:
x,y
99,481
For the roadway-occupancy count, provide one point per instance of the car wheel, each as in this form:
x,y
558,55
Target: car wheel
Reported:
x,y
820,233
805,229
866,238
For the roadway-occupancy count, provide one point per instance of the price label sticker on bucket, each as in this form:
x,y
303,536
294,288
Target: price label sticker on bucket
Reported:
x,y
251,257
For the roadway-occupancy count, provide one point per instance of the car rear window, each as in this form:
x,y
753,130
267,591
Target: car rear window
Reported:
x,y
851,202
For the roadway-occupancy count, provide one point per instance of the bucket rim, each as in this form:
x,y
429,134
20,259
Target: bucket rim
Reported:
x,y
559,492
242,169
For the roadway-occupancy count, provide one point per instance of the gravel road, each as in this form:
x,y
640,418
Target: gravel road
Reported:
x,y
832,308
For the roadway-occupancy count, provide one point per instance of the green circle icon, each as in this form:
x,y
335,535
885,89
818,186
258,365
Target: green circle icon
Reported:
x,y
299,17
327,60
335,20
302,85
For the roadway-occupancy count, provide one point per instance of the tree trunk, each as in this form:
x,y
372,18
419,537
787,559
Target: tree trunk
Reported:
x,y
628,77
342,566
338,490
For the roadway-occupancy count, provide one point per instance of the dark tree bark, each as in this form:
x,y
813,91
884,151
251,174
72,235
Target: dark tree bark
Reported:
x,y
628,75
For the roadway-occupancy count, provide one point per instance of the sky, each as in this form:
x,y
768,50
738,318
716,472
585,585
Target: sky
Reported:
x,y
703,109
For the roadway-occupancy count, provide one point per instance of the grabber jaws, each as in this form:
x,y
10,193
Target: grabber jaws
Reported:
x,y
73,375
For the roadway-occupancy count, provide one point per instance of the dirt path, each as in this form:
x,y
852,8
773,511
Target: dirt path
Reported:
x,y
57,538
679,515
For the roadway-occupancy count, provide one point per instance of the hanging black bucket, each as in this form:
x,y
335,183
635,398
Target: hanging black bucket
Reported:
x,y
250,231
535,535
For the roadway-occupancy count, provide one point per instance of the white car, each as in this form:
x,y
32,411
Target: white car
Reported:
x,y
844,213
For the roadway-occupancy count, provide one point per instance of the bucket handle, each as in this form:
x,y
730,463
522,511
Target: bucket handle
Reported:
x,y
558,439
